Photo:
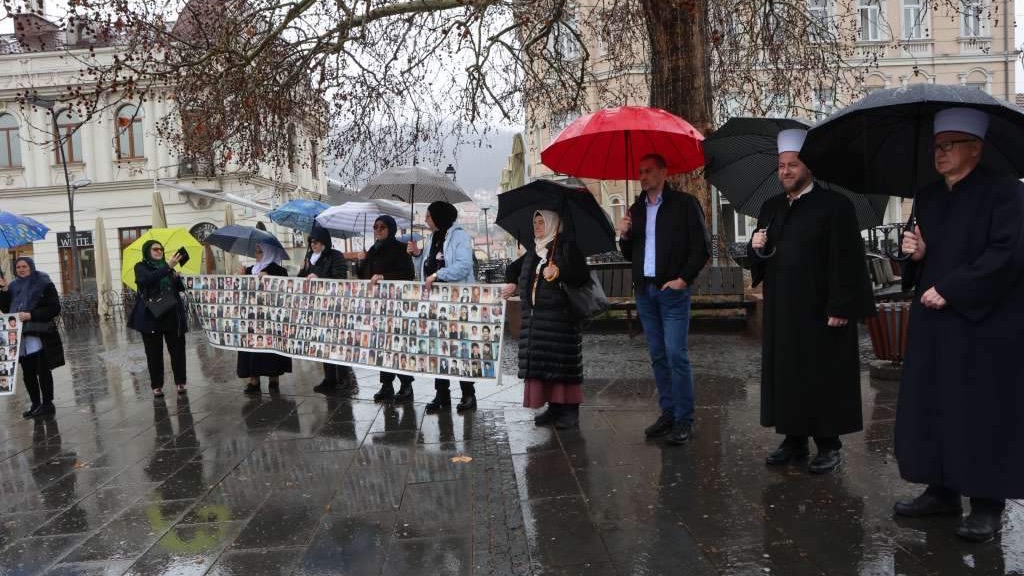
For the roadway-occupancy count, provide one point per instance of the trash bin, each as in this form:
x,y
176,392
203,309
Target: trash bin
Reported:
x,y
888,331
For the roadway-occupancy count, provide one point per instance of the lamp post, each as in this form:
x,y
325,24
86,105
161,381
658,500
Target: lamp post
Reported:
x,y
76,272
450,172
487,231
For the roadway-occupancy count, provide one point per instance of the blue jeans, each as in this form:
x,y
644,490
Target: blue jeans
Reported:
x,y
665,316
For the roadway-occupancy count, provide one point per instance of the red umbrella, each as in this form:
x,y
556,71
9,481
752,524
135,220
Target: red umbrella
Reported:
x,y
608,144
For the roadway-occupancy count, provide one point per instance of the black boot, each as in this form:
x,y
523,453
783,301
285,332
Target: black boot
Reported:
x,y
568,416
466,403
31,409
442,400
404,393
45,409
547,417
386,393
252,388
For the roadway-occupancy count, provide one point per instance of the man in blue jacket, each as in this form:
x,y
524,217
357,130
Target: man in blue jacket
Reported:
x,y
665,238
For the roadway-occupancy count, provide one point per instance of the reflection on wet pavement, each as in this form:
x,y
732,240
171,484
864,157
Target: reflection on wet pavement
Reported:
x,y
297,483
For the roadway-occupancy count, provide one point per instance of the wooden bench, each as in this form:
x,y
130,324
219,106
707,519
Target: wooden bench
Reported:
x,y
720,288
616,280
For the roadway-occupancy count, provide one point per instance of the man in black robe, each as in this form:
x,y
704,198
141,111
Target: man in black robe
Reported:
x,y
960,417
809,254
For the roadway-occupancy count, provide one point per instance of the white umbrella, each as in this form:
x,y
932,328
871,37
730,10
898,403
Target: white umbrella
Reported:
x,y
357,216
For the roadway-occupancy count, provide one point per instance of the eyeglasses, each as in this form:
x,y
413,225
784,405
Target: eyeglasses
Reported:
x,y
948,144
156,249
380,227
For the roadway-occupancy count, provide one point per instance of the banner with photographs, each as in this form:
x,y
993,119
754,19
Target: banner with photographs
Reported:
x,y
10,341
453,331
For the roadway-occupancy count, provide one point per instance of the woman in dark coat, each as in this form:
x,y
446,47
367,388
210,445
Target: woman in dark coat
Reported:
x,y
322,261
550,344
33,298
253,365
388,259
155,276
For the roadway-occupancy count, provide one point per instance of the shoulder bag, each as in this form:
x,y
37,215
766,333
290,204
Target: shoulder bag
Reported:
x,y
161,303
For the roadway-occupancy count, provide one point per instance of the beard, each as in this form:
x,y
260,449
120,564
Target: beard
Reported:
x,y
798,185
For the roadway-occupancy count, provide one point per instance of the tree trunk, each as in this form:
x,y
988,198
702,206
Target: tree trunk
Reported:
x,y
681,73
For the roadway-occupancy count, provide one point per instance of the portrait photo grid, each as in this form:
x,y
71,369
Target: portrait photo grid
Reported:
x,y
10,341
454,330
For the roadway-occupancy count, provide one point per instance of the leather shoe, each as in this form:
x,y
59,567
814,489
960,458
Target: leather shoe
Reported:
x,y
439,402
568,417
825,462
928,505
44,409
404,394
385,394
980,526
252,389
681,434
28,413
785,454
662,426
325,387
548,416
467,403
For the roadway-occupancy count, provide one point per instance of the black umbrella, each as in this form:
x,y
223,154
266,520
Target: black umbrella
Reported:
x,y
741,161
881,144
583,220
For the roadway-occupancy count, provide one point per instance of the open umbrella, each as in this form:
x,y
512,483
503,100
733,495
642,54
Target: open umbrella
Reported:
x,y
608,144
172,239
18,230
582,218
297,214
881,144
243,240
741,161
354,217
413,184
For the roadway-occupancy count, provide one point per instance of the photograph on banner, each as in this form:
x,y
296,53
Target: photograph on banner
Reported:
x,y
10,341
452,330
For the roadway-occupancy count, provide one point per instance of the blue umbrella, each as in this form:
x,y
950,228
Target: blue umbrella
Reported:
x,y
18,230
243,240
298,214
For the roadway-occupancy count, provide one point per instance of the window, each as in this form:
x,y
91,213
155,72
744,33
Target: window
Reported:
x,y
914,19
870,19
972,22
69,135
563,40
10,144
820,12
618,209
129,133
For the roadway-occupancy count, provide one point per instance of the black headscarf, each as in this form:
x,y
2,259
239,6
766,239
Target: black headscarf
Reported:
x,y
443,214
320,234
390,223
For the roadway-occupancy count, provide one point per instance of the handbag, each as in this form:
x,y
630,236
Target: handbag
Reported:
x,y
32,328
588,300
161,304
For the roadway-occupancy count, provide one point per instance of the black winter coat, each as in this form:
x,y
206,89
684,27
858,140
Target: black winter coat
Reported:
x,y
389,260
682,245
46,309
331,264
147,278
550,344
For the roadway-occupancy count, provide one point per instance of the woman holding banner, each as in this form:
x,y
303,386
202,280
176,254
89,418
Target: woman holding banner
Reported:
x,y
387,259
449,258
550,343
253,365
323,261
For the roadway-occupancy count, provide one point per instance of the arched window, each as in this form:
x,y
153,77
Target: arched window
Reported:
x,y
618,209
129,132
10,143
68,124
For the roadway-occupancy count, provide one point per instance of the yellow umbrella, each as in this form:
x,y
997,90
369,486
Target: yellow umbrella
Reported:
x,y
159,215
230,260
102,266
172,239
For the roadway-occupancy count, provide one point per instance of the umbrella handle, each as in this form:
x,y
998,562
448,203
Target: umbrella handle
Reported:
x,y
898,254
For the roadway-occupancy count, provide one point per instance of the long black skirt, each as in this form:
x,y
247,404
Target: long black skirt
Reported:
x,y
254,364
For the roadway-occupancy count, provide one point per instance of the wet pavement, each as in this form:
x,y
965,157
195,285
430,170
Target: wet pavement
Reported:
x,y
222,484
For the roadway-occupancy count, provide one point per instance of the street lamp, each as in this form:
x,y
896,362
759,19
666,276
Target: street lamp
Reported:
x,y
51,106
487,231
450,172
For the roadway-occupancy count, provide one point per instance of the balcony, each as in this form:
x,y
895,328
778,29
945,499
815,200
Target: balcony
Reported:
x,y
916,48
975,44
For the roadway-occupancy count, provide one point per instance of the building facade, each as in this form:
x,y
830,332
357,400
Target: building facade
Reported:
x,y
118,151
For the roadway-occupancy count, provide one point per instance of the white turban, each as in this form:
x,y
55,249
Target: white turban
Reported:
x,y
791,140
966,120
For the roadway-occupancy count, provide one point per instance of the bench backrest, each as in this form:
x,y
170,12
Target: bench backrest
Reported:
x,y
616,278
719,281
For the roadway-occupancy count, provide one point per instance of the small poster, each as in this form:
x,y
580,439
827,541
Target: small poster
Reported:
x,y
10,341
454,330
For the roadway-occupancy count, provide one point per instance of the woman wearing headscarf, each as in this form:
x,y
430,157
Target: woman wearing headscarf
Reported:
x,y
449,258
33,298
387,259
323,261
155,276
550,344
253,365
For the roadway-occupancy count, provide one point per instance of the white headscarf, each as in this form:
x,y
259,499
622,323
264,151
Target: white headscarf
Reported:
x,y
552,226
268,258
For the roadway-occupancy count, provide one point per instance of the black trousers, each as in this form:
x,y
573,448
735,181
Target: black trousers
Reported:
x,y
37,376
389,378
154,344
982,505
822,442
334,374
468,389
